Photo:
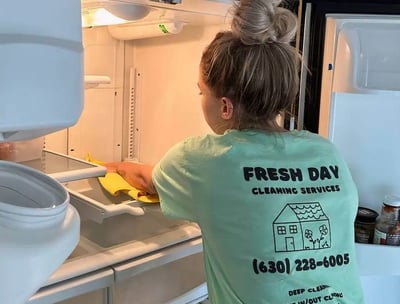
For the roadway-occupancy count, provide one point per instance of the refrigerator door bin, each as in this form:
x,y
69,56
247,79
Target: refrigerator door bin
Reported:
x,y
366,59
380,272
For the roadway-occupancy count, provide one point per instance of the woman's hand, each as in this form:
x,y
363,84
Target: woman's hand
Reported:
x,y
137,175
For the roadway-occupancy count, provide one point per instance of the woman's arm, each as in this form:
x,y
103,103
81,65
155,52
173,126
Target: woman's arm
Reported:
x,y
136,174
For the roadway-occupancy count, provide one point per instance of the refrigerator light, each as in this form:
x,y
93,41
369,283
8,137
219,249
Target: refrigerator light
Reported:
x,y
99,17
111,14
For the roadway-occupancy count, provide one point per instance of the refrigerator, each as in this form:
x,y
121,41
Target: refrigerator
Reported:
x,y
350,94
141,97
40,92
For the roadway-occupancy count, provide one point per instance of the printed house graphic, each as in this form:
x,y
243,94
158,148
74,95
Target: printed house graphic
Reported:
x,y
301,226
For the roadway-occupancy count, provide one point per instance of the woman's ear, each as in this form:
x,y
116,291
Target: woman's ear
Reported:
x,y
226,108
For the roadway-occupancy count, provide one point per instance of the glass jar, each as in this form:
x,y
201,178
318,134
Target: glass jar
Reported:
x,y
364,225
387,228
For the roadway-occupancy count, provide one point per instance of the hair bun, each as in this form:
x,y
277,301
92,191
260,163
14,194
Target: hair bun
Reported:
x,y
263,21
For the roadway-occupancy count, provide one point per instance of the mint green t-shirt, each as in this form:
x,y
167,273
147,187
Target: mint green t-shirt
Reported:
x,y
276,212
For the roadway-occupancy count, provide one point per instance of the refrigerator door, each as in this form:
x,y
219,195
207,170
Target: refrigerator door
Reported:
x,y
41,80
360,100
312,38
359,109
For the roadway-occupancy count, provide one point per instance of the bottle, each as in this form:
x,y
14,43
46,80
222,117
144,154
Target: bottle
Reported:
x,y
364,225
387,228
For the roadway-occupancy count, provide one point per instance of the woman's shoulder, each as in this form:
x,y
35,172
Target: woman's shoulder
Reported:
x,y
209,144
311,137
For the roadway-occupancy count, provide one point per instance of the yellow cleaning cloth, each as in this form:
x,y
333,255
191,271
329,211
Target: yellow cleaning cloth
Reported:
x,y
114,184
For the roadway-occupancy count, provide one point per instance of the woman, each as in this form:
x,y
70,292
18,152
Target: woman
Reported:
x,y
276,208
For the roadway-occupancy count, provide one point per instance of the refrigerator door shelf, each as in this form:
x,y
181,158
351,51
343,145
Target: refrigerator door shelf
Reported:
x,y
360,56
41,53
362,64
379,267
38,229
378,260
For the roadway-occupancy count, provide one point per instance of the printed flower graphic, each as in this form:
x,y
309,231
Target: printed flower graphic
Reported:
x,y
323,229
308,234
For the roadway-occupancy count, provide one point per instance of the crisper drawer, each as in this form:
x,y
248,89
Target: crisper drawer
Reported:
x,y
174,276
85,284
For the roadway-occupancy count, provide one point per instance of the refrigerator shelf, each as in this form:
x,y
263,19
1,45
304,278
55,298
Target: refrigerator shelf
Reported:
x,y
98,204
65,168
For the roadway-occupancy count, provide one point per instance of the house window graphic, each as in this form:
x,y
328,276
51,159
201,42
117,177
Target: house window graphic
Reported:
x,y
301,226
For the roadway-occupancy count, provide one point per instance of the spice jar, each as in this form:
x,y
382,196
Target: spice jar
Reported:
x,y
364,225
387,228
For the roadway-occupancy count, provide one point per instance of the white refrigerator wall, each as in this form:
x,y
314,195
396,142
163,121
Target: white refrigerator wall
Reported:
x,y
151,102
167,96
98,131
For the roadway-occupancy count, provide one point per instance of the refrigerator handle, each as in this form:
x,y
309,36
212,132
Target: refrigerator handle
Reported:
x,y
304,64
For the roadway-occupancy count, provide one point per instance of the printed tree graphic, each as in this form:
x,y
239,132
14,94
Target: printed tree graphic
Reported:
x,y
323,230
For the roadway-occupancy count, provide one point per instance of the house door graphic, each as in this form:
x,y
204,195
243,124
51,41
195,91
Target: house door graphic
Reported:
x,y
289,243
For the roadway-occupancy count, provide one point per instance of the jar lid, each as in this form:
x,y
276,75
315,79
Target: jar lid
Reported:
x,y
391,200
366,215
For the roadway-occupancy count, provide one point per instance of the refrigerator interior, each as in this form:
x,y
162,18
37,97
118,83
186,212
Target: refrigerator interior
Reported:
x,y
151,101
360,94
141,97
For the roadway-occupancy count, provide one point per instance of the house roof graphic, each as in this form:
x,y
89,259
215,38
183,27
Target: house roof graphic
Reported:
x,y
301,212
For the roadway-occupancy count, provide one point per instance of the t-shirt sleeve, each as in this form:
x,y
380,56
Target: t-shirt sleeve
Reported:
x,y
175,183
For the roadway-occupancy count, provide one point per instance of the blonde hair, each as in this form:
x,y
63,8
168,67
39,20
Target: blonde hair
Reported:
x,y
254,64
